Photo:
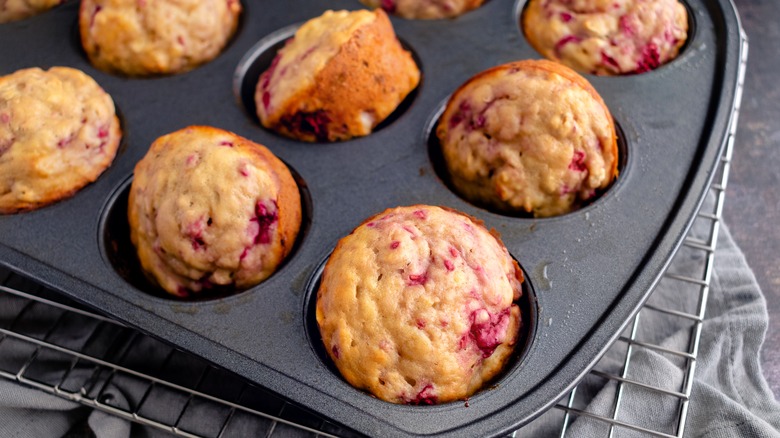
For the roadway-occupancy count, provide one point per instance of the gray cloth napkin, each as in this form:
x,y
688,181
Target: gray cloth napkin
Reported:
x,y
729,394
730,397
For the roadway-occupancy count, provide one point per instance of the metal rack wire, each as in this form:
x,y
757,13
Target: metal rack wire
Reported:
x,y
703,240
99,355
103,355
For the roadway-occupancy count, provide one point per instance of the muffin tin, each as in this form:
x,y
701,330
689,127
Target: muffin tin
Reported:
x,y
587,272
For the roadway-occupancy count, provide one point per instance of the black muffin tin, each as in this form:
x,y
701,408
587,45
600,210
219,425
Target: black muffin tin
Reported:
x,y
587,272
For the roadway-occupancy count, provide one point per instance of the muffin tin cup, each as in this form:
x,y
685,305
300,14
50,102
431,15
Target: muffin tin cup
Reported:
x,y
590,270
259,58
527,303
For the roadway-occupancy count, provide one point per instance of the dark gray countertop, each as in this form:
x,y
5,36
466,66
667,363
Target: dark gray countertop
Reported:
x,y
752,209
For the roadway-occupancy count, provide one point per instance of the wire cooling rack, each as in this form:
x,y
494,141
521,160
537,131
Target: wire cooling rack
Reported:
x,y
105,365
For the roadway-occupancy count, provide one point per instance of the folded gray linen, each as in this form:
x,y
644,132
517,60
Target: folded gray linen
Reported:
x,y
729,395
729,398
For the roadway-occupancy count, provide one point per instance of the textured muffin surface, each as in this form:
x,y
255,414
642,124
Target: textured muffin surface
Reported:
x,y
337,78
148,37
58,132
425,9
209,208
416,305
528,136
12,10
607,37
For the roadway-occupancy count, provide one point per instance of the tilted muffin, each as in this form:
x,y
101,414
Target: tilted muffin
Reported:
x,y
150,37
209,208
528,136
12,10
425,9
58,132
341,75
416,305
607,37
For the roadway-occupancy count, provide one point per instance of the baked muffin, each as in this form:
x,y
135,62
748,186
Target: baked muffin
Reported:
x,y
152,37
425,9
209,209
528,137
337,78
607,37
12,10
416,305
58,132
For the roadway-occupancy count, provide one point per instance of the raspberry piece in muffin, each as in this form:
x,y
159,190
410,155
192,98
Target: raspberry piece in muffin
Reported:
x,y
416,305
209,208
58,132
12,10
528,137
337,78
607,37
140,37
425,9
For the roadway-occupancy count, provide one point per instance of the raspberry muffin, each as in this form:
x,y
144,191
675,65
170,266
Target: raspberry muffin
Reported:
x,y
416,305
528,137
607,37
209,209
58,132
12,10
425,9
153,37
337,78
